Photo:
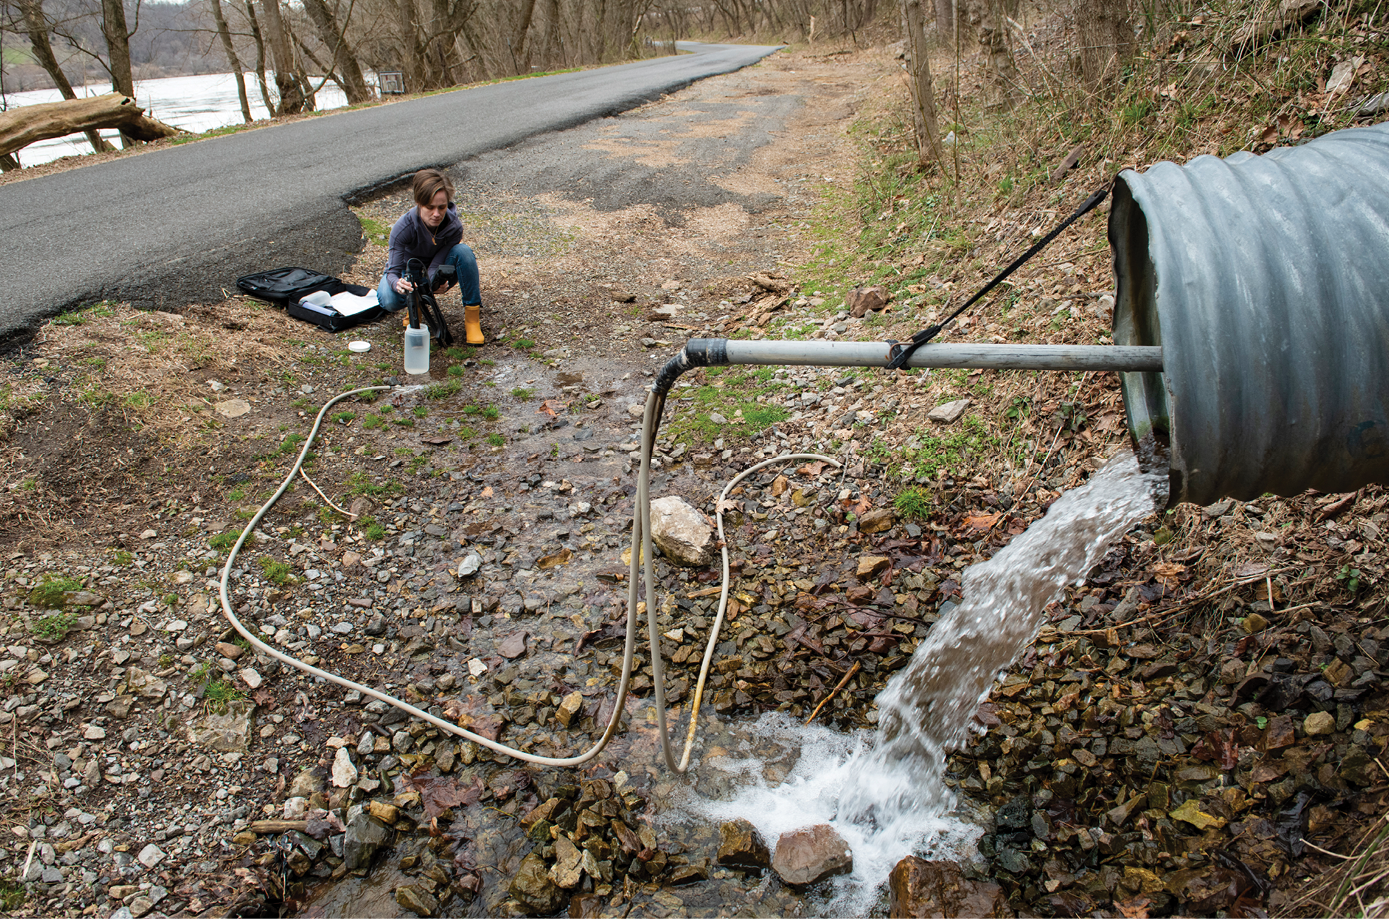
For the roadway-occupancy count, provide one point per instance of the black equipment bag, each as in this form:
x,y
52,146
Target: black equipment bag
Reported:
x,y
287,287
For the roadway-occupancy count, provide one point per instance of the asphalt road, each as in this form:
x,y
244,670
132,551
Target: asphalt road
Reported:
x,y
179,225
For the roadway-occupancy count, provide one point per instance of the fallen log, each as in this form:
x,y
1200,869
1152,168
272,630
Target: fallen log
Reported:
x,y
22,126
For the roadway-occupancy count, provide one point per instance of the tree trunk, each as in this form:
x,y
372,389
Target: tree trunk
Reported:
x,y
412,53
282,56
36,25
928,146
1104,35
117,35
22,126
260,57
945,19
354,85
988,18
233,61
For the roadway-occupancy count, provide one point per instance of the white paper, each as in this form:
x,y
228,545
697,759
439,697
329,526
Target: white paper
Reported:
x,y
349,304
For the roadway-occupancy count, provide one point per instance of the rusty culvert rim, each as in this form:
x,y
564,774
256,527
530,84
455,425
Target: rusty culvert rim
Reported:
x,y
1265,279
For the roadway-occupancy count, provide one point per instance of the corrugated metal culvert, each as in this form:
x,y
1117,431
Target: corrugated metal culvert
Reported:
x,y
1265,279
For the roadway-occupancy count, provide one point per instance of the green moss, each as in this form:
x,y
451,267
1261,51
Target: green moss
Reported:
x,y
50,593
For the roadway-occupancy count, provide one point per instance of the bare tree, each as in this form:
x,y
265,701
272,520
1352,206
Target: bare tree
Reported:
x,y
117,35
282,56
1104,34
344,59
989,20
928,145
37,28
259,40
233,61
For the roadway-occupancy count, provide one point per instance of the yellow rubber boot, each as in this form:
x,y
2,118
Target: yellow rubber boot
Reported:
x,y
472,324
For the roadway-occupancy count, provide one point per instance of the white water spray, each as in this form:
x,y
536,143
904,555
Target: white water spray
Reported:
x,y
886,797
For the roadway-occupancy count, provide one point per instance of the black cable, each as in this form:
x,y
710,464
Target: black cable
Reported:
x,y
901,353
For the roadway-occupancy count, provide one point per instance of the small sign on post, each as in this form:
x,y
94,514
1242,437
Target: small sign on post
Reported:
x,y
392,82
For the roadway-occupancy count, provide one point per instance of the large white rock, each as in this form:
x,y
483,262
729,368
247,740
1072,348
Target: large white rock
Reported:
x,y
681,532
344,773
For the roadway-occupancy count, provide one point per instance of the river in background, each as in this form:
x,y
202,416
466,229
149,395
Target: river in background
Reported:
x,y
194,103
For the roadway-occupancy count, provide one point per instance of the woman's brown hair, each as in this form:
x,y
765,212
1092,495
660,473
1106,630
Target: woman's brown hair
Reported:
x,y
428,183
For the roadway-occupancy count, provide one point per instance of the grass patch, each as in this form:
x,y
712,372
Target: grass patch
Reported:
x,y
522,394
373,421
371,529
374,231
80,315
220,694
955,452
912,503
53,628
359,484
343,417
275,571
442,390
496,440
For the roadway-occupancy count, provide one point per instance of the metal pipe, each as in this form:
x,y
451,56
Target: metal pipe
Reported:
x,y
713,352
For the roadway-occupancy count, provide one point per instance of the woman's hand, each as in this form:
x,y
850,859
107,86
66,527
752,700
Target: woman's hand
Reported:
x,y
403,286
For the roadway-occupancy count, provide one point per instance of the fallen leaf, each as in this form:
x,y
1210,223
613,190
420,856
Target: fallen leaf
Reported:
x,y
439,793
486,492
982,521
551,407
1137,908
546,562
813,469
1190,812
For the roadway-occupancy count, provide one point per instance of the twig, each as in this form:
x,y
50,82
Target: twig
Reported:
x,y
325,498
833,692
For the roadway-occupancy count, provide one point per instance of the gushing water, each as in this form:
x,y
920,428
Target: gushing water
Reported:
x,y
889,793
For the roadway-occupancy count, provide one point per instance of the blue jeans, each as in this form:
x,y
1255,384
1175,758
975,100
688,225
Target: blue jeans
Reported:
x,y
462,260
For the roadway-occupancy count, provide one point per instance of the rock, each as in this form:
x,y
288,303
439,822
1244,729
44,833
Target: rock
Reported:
x,y
232,408
741,846
861,300
568,870
1319,723
949,412
869,565
417,900
513,646
307,783
151,855
810,854
364,836
570,708
939,889
140,683
681,532
533,887
779,486
229,650
470,565
93,732
1254,623
228,732
344,773
386,813
251,676
877,520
